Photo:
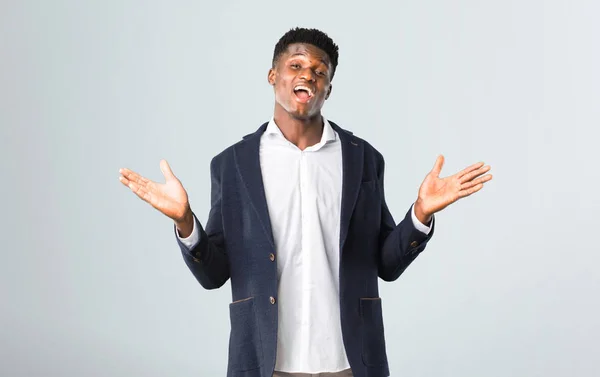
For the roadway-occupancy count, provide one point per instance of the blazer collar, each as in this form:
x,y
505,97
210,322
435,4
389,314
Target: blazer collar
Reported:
x,y
352,171
247,159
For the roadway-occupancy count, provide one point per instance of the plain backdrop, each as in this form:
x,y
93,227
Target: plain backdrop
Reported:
x,y
92,279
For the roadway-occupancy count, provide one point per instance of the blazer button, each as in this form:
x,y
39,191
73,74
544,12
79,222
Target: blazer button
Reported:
x,y
272,299
414,244
272,257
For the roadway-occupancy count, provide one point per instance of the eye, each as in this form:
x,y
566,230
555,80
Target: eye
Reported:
x,y
320,73
295,65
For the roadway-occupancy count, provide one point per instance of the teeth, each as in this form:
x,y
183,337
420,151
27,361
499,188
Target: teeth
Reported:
x,y
299,87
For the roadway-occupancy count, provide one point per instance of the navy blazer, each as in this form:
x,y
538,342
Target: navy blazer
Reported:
x,y
237,244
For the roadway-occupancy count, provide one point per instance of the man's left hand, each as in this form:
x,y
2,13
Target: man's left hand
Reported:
x,y
437,193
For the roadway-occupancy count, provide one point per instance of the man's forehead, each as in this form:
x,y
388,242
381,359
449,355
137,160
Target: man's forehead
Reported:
x,y
308,50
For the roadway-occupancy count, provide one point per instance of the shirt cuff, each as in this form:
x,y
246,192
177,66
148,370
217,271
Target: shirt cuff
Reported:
x,y
192,239
419,225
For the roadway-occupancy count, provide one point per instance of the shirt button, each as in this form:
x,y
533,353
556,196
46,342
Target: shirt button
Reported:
x,y
414,244
272,257
272,300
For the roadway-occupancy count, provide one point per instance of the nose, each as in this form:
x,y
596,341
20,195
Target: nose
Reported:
x,y
307,74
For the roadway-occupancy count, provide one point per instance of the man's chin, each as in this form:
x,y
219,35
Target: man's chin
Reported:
x,y
304,114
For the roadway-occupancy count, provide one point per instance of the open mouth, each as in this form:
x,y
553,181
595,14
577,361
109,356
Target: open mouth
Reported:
x,y
303,93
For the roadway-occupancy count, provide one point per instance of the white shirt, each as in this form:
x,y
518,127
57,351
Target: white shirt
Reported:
x,y
303,190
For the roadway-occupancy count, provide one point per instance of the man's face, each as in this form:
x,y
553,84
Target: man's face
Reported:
x,y
301,80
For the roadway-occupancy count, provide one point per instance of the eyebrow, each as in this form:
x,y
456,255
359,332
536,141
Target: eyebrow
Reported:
x,y
304,54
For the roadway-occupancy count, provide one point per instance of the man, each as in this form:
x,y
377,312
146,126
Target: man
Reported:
x,y
299,223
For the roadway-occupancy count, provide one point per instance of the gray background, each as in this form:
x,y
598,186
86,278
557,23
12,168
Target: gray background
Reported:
x,y
92,280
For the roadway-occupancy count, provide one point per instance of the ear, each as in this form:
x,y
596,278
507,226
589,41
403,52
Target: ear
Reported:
x,y
271,76
329,91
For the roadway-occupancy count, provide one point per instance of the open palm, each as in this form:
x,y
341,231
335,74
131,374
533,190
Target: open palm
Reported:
x,y
170,197
437,193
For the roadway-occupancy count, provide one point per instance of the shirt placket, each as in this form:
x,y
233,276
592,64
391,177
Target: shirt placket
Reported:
x,y
305,250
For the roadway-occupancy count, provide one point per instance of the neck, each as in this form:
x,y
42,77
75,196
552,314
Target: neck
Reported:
x,y
301,132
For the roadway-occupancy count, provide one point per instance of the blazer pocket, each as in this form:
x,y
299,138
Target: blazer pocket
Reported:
x,y
369,190
372,184
373,339
245,344
368,205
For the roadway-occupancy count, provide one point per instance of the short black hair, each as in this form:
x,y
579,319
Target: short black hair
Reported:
x,y
314,37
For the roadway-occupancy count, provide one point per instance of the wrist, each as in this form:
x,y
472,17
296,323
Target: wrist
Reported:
x,y
422,215
185,225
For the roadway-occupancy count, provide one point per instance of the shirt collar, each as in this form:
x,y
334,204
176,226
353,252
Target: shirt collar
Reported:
x,y
328,132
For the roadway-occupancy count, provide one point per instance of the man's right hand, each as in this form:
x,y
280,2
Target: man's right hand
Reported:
x,y
170,197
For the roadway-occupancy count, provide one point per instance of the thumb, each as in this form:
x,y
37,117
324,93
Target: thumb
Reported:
x,y
166,170
437,167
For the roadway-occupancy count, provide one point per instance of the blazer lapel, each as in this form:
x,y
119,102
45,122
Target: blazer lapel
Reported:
x,y
352,171
248,165
247,159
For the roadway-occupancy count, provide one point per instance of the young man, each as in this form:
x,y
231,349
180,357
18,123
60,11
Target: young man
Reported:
x,y
299,223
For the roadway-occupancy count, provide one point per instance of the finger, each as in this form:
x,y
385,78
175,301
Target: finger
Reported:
x,y
133,186
472,190
437,167
129,174
166,169
124,181
469,169
133,176
474,174
475,182
140,191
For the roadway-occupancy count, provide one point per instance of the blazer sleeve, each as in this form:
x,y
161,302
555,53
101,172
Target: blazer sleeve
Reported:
x,y
208,260
399,244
